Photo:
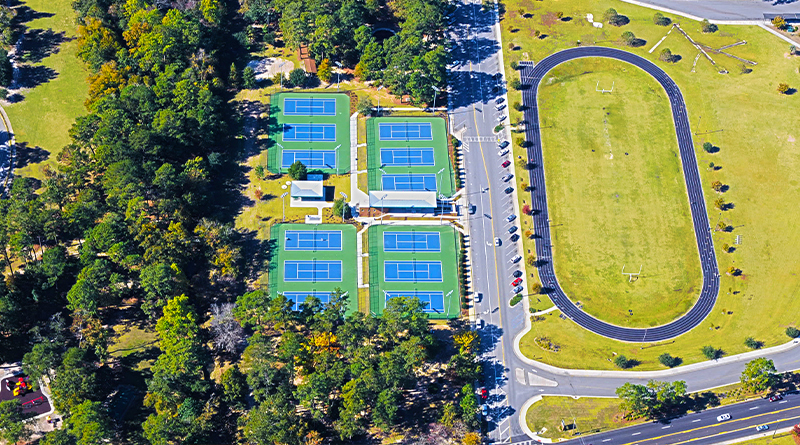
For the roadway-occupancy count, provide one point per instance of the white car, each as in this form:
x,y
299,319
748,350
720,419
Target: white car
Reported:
x,y
498,241
723,417
501,118
479,323
516,259
503,152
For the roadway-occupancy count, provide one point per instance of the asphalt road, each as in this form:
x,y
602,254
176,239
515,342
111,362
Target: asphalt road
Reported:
x,y
729,9
531,76
703,427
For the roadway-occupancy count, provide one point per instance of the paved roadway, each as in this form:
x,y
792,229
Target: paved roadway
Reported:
x,y
531,76
703,428
512,379
729,9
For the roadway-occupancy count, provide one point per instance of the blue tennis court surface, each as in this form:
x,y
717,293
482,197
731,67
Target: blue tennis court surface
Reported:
x,y
405,131
309,106
411,242
300,297
412,271
434,301
312,271
407,156
309,158
309,132
313,240
409,182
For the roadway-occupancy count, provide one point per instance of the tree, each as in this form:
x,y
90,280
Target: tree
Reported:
x,y
298,171
6,70
708,27
471,439
12,428
628,38
226,332
666,55
536,289
609,14
792,332
720,204
752,343
40,362
89,423
297,78
249,80
515,84
717,186
636,399
341,209
783,88
622,362
469,405
711,352
759,375
364,106
726,248
324,71
233,76
708,147
668,360
660,20
466,341
559,15
75,380
57,437
779,22
386,407
234,388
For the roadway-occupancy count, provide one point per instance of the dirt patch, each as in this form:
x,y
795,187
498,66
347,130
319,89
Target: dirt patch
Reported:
x,y
549,19
790,138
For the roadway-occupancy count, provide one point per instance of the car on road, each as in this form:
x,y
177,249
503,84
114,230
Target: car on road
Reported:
x,y
517,274
516,282
511,217
498,242
775,398
514,238
505,163
485,411
516,259
479,323
499,100
508,190
484,393
723,417
512,229
472,209
478,297
507,177
762,428
517,289
503,144
503,152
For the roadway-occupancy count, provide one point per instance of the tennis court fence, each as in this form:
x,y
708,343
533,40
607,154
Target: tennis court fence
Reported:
x,y
374,271
373,159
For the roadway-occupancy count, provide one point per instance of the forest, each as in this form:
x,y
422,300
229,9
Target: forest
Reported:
x,y
137,217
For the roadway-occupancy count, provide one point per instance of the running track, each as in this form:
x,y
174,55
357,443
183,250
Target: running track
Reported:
x,y
531,76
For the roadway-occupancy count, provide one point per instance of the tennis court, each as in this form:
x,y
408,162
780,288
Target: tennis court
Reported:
x,y
434,301
309,132
312,271
300,297
413,271
409,182
405,131
309,158
411,242
312,240
407,157
309,106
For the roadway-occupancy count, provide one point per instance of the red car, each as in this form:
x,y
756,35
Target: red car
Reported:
x,y
484,393
775,398
516,282
506,164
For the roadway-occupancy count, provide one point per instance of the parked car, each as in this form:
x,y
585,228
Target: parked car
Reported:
x,y
511,217
516,259
507,177
479,323
516,282
499,100
472,209
517,289
762,428
505,163
514,238
508,190
501,107
503,152
503,144
512,229
485,411
723,417
517,273
478,297
484,393
501,118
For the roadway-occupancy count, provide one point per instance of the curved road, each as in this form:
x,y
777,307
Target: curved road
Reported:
x,y
532,75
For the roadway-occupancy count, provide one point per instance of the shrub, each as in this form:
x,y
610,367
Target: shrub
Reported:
x,y
752,343
717,186
660,20
364,106
783,88
259,170
514,64
517,106
668,360
520,141
531,260
628,38
517,84
709,27
498,128
516,299
779,22
298,171
666,55
622,362
324,71
708,147
792,332
526,210
297,78
560,15
711,352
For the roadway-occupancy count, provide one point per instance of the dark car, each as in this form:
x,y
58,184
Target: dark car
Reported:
x,y
514,238
472,209
508,190
512,229
511,217
517,274
503,144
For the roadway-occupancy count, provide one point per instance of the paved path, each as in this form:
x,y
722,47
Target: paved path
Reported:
x,y
7,146
531,76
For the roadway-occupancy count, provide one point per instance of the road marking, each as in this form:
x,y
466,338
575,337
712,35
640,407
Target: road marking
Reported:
x,y
636,434
737,430
755,407
665,427
782,402
698,420
606,440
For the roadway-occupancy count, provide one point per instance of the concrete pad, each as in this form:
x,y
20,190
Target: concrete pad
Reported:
x,y
270,66
536,380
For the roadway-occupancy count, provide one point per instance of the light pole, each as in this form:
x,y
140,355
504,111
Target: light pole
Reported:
x,y
280,67
283,205
433,111
438,181
337,75
343,204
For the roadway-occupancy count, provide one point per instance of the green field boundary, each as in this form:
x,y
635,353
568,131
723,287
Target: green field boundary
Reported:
x,y
374,276
272,152
272,267
373,157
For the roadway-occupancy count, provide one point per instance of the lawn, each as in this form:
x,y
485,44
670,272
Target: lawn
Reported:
x,y
758,158
45,114
587,413
616,194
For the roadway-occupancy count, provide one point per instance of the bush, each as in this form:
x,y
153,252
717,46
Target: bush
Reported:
x,y
516,106
669,361
298,171
259,170
628,38
783,88
622,362
708,147
660,20
514,64
498,128
515,84
364,106
517,298
249,78
297,78
709,27
752,343
324,71
792,332
340,206
666,55
711,352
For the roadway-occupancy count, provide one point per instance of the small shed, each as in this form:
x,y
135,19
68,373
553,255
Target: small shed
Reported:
x,y
308,190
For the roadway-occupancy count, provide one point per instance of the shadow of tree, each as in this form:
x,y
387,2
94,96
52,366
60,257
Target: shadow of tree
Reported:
x,y
38,44
27,14
27,155
33,76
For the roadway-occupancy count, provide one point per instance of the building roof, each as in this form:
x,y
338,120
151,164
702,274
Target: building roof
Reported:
x,y
403,199
307,189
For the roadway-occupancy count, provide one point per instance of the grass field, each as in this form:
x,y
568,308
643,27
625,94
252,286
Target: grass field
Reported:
x,y
587,413
47,111
758,158
346,255
616,194
446,254
445,181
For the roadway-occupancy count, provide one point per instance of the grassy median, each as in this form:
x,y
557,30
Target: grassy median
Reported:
x,y
758,158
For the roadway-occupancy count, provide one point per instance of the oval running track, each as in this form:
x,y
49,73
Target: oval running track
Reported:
x,y
531,76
